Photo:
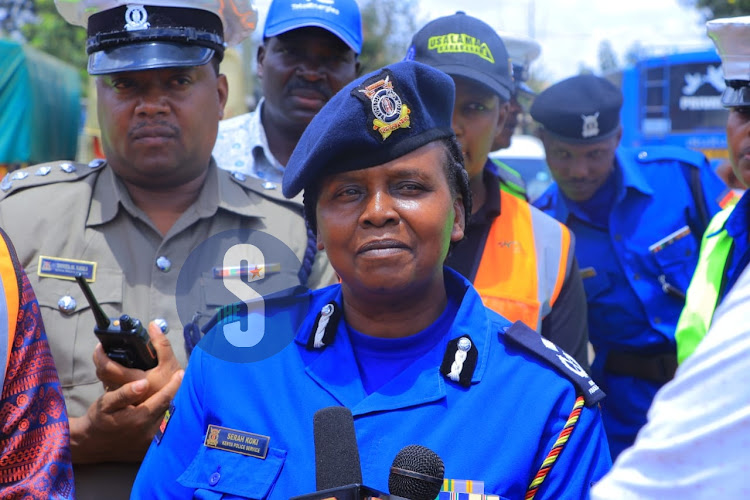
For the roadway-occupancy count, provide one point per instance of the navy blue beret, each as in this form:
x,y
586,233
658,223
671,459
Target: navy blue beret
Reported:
x,y
375,119
582,109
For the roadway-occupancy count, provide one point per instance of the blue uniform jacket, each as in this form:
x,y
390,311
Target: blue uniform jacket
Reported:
x,y
498,430
627,307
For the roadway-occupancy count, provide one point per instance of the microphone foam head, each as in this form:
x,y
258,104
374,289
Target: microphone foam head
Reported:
x,y
416,473
336,453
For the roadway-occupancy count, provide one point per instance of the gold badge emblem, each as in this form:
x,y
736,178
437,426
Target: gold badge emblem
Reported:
x,y
213,436
390,113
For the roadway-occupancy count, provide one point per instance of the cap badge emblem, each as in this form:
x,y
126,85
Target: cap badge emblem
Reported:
x,y
136,18
390,113
590,125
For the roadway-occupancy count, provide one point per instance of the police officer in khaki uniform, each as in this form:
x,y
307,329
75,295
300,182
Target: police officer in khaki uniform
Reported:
x,y
151,227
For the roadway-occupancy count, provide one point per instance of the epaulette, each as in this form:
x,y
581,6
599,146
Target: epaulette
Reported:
x,y
264,188
47,173
669,153
530,340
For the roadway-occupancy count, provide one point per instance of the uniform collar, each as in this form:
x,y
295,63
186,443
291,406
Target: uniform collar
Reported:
x,y
335,368
220,190
631,176
738,222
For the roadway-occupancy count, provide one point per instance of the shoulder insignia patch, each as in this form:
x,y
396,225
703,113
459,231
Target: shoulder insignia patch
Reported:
x,y
47,173
266,189
564,364
163,426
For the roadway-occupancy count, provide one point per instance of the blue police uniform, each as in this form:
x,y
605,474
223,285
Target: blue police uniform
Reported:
x,y
498,430
625,273
738,228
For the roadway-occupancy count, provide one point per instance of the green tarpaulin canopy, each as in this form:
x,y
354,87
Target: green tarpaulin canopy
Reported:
x,y
40,108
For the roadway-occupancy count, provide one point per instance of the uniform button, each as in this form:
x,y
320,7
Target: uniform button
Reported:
x,y
618,237
464,344
636,276
67,304
657,320
164,264
214,478
642,155
162,324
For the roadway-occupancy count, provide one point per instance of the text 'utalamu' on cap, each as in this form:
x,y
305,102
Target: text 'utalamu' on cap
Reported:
x,y
464,46
375,119
582,109
732,39
154,34
340,17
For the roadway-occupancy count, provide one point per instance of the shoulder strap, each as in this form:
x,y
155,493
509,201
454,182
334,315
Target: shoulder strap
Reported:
x,y
698,198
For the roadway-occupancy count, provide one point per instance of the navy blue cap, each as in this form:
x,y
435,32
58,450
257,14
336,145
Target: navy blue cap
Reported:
x,y
340,17
375,119
462,45
153,34
583,109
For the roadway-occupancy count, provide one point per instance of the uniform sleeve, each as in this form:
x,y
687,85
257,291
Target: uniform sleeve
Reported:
x,y
181,438
696,440
584,459
567,323
35,458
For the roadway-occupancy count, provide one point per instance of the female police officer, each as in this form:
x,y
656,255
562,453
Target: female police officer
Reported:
x,y
403,342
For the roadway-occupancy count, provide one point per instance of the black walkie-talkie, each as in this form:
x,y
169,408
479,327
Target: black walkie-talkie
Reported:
x,y
124,340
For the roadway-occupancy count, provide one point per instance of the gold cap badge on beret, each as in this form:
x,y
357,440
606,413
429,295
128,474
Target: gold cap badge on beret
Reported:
x,y
390,113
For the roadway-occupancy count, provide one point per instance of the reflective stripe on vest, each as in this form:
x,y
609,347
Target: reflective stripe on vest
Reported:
x,y
524,262
8,306
510,180
705,287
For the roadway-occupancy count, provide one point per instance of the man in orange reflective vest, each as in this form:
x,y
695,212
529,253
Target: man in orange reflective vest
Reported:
x,y
520,260
35,459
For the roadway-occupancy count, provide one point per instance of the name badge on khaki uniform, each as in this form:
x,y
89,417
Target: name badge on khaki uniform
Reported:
x,y
66,269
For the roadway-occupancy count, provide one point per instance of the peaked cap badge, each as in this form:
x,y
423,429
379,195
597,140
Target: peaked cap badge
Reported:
x,y
136,18
590,125
390,112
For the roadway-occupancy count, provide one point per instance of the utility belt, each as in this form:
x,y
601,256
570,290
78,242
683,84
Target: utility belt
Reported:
x,y
655,368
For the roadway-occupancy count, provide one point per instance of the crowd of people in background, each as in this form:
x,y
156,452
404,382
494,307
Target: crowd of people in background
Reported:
x,y
176,313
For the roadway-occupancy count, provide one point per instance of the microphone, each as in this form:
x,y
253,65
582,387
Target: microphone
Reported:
x,y
338,474
416,474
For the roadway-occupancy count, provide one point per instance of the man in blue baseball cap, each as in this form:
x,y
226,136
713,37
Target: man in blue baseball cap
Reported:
x,y
309,52
638,216
403,341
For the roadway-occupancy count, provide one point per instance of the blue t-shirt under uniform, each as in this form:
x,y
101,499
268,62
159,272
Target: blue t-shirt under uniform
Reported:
x,y
381,359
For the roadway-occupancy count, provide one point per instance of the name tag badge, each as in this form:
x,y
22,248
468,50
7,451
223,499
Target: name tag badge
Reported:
x,y
587,272
66,269
246,443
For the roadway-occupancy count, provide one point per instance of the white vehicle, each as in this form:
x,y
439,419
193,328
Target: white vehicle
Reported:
x,y
526,156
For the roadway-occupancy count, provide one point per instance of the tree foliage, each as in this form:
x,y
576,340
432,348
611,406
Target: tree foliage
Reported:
x,y
387,27
53,35
720,8
607,57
